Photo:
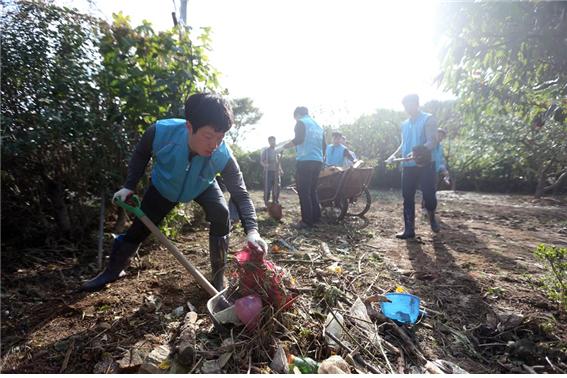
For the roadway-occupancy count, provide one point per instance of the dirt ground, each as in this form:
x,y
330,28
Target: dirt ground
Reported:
x,y
478,269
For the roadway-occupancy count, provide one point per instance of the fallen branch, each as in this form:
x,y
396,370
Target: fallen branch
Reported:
x,y
401,362
382,350
197,365
553,366
67,355
414,349
357,356
360,261
529,369
293,261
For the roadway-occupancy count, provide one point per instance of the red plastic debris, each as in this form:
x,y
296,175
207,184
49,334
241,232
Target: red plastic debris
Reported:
x,y
260,276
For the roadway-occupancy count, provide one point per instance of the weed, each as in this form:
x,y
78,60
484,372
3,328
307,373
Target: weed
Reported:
x,y
180,216
555,280
494,292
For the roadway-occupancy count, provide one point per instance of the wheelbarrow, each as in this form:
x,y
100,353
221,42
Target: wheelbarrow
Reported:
x,y
221,310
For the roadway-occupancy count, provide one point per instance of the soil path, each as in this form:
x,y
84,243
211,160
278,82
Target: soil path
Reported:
x,y
479,265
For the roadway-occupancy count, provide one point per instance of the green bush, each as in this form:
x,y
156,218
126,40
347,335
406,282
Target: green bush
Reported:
x,y
183,215
555,280
253,172
77,93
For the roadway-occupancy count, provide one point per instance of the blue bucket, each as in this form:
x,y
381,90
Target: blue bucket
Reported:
x,y
403,307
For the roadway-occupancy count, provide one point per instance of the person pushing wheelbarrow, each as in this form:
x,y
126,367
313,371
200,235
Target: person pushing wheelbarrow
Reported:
x,y
187,155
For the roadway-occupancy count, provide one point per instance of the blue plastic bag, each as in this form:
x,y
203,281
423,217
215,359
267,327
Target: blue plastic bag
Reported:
x,y
403,307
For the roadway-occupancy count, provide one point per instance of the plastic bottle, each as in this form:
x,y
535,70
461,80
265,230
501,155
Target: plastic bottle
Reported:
x,y
333,325
305,365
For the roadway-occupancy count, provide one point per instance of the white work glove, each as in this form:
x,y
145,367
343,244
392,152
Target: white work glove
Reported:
x,y
123,194
256,242
445,174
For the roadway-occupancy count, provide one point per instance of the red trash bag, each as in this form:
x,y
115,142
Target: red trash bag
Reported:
x,y
260,276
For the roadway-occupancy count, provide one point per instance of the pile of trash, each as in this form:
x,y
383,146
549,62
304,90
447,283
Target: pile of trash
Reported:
x,y
316,329
290,336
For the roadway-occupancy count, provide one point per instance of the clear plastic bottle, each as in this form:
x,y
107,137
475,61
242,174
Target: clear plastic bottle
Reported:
x,y
334,326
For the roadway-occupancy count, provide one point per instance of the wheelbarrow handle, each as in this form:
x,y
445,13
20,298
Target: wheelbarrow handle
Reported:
x,y
403,159
137,211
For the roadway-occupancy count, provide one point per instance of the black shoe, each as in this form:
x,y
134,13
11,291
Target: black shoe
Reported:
x,y
118,261
433,222
405,235
302,226
218,250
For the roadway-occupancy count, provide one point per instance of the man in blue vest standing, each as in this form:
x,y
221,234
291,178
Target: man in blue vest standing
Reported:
x,y
187,156
309,142
336,154
419,139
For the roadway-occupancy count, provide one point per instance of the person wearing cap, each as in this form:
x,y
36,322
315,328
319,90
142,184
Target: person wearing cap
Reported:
x,y
187,156
309,143
419,140
337,154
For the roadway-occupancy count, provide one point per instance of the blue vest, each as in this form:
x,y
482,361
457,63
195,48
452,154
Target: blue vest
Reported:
x,y
312,146
413,134
335,155
438,158
173,175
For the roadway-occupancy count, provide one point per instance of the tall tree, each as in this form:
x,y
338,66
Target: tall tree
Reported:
x,y
507,61
76,94
246,115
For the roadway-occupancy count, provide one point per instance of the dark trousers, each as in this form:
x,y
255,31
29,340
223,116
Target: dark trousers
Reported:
x,y
425,177
307,177
436,182
156,207
271,185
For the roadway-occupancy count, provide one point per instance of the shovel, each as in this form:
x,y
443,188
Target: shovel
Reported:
x,y
220,309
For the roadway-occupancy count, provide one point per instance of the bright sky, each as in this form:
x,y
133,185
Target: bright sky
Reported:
x,y
341,59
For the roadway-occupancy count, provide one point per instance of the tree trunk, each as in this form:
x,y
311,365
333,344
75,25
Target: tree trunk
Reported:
x,y
56,193
561,181
556,186
540,188
541,176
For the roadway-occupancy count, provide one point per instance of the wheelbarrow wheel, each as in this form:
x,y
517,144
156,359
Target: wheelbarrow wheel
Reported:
x,y
335,211
359,206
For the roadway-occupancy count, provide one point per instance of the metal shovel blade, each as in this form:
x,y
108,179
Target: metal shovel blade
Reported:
x,y
221,310
218,305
